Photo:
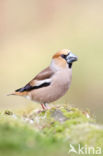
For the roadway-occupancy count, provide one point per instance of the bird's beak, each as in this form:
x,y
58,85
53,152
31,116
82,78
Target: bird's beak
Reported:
x,y
71,58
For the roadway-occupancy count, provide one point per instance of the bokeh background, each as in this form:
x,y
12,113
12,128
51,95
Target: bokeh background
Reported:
x,y
31,31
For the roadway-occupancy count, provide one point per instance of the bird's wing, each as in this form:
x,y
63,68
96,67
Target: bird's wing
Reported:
x,y
43,79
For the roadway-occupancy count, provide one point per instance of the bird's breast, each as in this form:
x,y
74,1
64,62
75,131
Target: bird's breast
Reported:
x,y
62,79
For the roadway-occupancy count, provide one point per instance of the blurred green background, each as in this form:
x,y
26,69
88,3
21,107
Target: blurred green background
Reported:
x,y
32,31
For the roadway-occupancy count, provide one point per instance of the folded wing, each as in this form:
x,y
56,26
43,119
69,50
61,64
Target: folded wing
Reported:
x,y
43,79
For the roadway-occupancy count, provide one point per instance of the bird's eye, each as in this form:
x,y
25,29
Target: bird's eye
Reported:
x,y
63,56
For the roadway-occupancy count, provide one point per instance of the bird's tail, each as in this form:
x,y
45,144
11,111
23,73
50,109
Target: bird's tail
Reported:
x,y
18,93
14,93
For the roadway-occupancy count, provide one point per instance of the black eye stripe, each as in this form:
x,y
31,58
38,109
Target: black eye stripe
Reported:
x,y
63,56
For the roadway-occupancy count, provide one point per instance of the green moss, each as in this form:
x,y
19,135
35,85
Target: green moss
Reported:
x,y
48,132
20,138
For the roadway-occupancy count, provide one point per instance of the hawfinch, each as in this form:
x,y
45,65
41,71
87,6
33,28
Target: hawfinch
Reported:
x,y
53,82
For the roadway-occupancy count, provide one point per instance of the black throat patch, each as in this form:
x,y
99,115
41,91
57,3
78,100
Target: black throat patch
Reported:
x,y
70,65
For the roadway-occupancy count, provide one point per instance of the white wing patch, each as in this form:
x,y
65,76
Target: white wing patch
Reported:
x,y
40,82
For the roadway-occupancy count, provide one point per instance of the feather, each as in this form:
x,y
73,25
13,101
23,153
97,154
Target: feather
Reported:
x,y
28,87
43,79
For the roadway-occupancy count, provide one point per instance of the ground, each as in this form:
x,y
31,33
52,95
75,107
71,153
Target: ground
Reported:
x,y
48,132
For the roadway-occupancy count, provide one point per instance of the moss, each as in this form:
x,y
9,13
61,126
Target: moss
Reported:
x,y
8,112
20,138
48,132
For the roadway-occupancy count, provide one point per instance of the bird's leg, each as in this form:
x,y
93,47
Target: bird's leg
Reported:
x,y
43,106
46,105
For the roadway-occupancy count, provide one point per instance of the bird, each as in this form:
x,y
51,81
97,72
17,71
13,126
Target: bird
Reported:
x,y
51,83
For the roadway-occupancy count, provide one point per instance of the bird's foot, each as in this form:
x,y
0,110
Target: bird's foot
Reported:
x,y
45,106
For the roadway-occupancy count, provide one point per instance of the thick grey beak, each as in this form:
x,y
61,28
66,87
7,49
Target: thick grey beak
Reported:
x,y
71,58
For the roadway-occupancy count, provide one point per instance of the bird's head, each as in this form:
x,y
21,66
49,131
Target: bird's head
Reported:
x,y
64,58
